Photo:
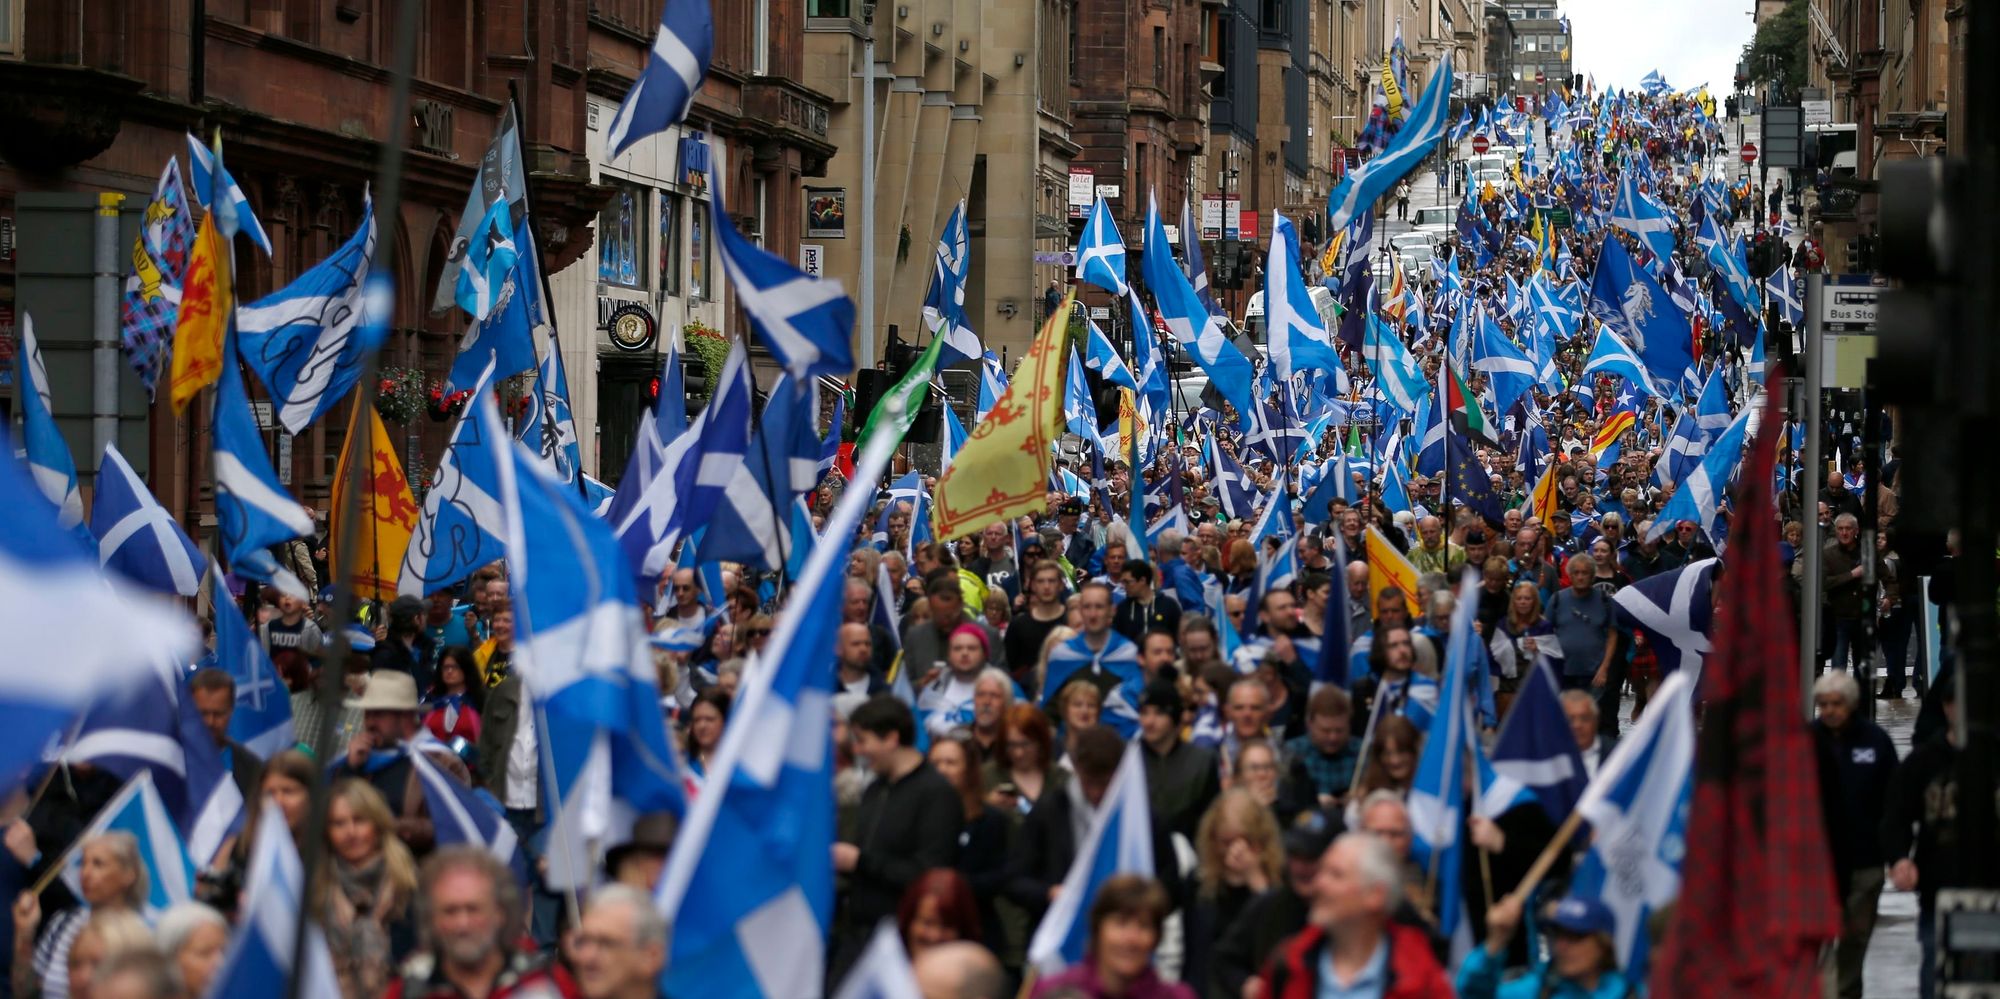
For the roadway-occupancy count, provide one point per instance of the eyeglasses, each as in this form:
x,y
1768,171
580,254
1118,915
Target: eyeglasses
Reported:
x,y
756,633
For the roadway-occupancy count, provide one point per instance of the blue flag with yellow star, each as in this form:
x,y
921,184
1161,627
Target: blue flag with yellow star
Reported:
x,y
1467,481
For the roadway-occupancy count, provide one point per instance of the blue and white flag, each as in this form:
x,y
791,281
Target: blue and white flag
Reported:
x,y
1730,269
697,469
1113,668
1102,357
1298,338
1079,410
753,860
152,725
549,427
1120,841
992,385
1100,252
138,810
263,716
1511,372
1197,330
463,524
749,524
1397,375
944,303
1784,293
1675,612
1637,807
883,970
1627,299
806,322
1437,793
1699,498
49,458
1431,423
260,960
466,816
1685,447
1234,489
230,205
306,341
136,537
1365,185
1711,411
1641,216
1535,746
1191,265
665,89
58,606
1653,83
489,258
1611,355
253,511
506,337
582,649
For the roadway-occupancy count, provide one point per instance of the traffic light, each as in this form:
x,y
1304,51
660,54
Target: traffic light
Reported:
x,y
1226,276
1914,366
694,382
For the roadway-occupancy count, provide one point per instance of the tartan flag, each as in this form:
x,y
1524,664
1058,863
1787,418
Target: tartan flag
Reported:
x,y
153,290
1756,902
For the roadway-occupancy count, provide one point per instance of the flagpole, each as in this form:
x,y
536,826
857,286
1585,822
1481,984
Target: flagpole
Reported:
x,y
389,171
548,293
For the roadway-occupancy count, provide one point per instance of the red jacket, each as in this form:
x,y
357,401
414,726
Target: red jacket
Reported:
x,y
1293,972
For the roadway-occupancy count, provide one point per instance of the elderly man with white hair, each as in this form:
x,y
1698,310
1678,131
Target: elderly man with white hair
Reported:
x,y
1856,762
620,946
1351,945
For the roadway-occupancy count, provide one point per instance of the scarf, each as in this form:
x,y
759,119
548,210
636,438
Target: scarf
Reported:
x,y
359,910
451,703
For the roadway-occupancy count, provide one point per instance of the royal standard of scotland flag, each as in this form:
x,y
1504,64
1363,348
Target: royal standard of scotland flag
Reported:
x,y
307,340
674,70
753,862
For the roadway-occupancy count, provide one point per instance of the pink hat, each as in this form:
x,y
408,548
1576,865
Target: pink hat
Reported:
x,y
976,631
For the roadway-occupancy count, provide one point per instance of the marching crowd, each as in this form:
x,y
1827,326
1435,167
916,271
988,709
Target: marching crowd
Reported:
x,y
986,689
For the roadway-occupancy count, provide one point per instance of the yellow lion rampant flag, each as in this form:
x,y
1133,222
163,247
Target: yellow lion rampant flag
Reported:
x,y
204,316
385,511
1389,570
1003,470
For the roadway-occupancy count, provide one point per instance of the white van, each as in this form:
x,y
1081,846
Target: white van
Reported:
x,y
1323,303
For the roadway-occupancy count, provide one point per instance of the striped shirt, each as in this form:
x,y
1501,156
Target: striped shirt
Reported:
x,y
51,960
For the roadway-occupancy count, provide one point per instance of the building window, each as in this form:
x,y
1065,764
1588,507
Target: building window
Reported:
x,y
1273,15
826,8
759,195
10,27
621,238
1160,58
698,253
671,208
760,39
1071,15
1139,174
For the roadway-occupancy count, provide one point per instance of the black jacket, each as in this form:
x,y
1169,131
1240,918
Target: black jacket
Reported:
x,y
903,828
1856,766
1047,845
1133,619
1921,822
1250,941
1181,784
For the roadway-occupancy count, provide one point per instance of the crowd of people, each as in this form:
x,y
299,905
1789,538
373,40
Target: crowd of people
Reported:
x,y
985,690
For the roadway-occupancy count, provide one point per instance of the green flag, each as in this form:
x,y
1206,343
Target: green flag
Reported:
x,y
897,410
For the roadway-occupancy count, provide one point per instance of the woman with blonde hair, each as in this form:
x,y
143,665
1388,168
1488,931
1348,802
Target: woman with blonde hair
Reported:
x,y
1241,856
113,880
365,904
105,937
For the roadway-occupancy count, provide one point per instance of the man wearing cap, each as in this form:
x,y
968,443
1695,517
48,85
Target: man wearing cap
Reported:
x,y
380,753
1182,779
1249,942
1583,960
639,860
1073,541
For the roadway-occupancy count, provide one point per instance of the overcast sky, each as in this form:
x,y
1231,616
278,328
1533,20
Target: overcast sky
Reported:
x,y
1691,42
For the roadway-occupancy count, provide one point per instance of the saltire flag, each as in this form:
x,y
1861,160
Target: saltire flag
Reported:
x,y
219,193
488,261
1699,497
1079,410
1627,299
1120,841
1511,372
1395,487
263,716
1335,482
1275,569
1758,854
138,811
1100,252
463,524
207,294
153,725
1535,746
993,384
1330,668
883,971
829,446
1641,216
697,468
1351,278
152,297
944,304
1468,482
1637,807
1397,375
581,646
1611,355
1192,266
505,338
670,416
753,859
1784,293
1101,356
1429,427
1711,410
1437,792
660,429
386,512
806,322
955,436
1196,329
1296,335
666,88
1233,487
136,537
307,340
1684,449
464,816
550,427
252,509
58,606
262,958
1675,613
1003,471
50,463
749,521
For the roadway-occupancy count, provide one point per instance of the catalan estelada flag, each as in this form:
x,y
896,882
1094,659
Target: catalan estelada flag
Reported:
x,y
385,511
1615,425
1003,470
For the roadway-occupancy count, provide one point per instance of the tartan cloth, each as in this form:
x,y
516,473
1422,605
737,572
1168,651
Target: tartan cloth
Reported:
x,y
1329,774
153,290
1757,898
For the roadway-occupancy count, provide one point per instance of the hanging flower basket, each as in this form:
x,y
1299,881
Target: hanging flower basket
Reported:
x,y
707,343
445,406
402,395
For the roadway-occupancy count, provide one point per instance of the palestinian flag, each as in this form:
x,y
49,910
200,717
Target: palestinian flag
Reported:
x,y
1463,410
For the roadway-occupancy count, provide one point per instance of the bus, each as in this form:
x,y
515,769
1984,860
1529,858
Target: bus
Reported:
x,y
1830,147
